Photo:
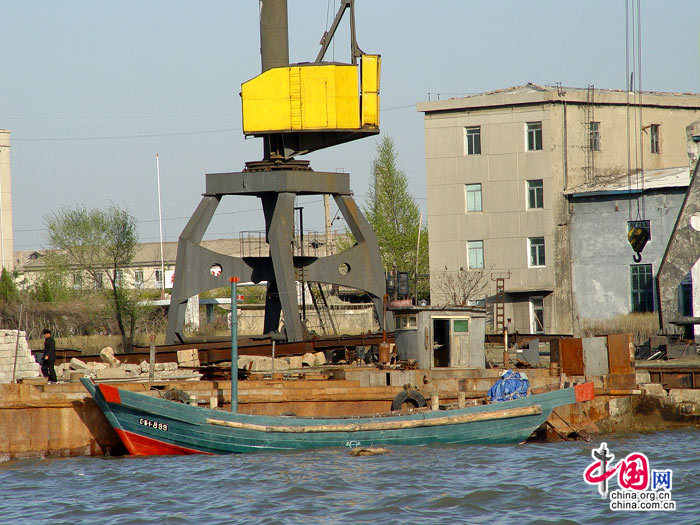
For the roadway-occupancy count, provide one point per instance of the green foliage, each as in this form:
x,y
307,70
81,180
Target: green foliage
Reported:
x,y
394,215
98,243
8,289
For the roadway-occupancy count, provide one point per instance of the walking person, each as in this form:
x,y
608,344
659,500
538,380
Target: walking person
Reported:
x,y
49,358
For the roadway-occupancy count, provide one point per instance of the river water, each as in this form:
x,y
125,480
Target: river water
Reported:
x,y
509,484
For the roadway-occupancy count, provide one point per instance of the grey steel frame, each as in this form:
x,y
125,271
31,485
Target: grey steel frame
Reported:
x,y
359,267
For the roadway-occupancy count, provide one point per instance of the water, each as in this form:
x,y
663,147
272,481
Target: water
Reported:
x,y
509,484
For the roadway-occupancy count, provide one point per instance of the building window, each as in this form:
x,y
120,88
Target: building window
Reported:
x,y
473,197
77,280
536,251
536,315
138,278
99,276
594,136
473,135
534,136
119,278
535,194
641,283
159,279
654,135
475,251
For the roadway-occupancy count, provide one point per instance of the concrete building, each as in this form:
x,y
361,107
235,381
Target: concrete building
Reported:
x,y
498,165
146,271
6,242
606,280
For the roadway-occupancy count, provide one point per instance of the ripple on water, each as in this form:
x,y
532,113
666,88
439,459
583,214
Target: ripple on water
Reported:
x,y
534,483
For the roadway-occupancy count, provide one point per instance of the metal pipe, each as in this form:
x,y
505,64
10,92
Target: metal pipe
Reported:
x,y
274,34
234,345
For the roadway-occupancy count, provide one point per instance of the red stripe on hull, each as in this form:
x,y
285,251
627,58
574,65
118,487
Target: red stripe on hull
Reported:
x,y
139,445
110,393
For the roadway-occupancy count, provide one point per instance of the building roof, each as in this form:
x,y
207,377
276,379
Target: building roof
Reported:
x,y
622,184
537,94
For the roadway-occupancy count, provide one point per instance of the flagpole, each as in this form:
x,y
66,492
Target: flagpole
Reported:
x,y
160,226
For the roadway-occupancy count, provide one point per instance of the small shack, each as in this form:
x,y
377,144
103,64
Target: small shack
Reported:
x,y
441,337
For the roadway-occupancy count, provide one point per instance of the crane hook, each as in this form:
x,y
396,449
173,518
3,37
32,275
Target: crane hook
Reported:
x,y
637,257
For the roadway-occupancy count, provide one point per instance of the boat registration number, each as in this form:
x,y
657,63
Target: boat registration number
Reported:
x,y
153,424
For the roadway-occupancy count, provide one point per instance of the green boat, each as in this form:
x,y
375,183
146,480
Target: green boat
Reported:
x,y
150,425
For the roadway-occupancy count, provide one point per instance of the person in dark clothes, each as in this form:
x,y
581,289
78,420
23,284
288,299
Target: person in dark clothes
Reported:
x,y
49,358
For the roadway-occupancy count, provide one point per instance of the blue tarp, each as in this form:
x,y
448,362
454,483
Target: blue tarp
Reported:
x,y
511,385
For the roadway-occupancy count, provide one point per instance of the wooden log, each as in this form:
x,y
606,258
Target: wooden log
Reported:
x,y
385,425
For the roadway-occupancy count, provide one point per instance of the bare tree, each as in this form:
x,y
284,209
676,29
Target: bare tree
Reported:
x,y
461,287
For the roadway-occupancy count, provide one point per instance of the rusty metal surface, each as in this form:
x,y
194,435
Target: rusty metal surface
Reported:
x,y
218,351
619,359
571,356
679,378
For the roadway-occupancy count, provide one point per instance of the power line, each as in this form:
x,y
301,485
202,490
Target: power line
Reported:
x,y
125,137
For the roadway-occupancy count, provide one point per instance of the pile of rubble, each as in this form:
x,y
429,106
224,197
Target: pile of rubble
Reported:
x,y
16,357
112,368
256,363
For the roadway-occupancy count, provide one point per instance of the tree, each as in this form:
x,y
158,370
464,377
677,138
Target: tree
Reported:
x,y
98,243
8,289
462,287
394,215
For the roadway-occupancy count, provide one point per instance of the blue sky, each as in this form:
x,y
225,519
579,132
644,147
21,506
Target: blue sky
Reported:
x,y
92,90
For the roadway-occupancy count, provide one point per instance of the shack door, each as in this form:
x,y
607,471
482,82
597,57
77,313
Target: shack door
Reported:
x,y
441,342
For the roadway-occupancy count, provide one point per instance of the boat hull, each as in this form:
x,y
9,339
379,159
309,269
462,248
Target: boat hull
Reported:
x,y
150,426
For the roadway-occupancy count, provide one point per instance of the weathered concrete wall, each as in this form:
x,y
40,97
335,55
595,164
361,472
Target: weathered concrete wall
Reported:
x,y
601,255
26,365
58,420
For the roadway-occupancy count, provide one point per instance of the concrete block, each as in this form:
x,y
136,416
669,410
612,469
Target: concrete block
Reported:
x,y
295,361
188,357
281,364
107,356
261,364
111,372
619,406
643,377
309,359
653,389
377,379
77,364
685,395
672,400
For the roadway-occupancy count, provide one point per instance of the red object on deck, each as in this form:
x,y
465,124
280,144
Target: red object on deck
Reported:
x,y
584,392
138,445
110,393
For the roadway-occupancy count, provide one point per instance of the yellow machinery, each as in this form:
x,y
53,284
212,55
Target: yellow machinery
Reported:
x,y
313,97
299,108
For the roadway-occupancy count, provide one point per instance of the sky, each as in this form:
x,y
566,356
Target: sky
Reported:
x,y
91,91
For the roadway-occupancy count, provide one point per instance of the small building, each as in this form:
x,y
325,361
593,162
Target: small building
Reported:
x,y
608,282
441,337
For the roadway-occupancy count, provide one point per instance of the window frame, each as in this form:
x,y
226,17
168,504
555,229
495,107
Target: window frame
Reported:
x,y
473,146
594,135
535,319
474,245
532,192
466,197
540,253
533,132
655,138
642,299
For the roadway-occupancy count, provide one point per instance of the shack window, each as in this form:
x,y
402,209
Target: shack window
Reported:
x,y
460,325
406,322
